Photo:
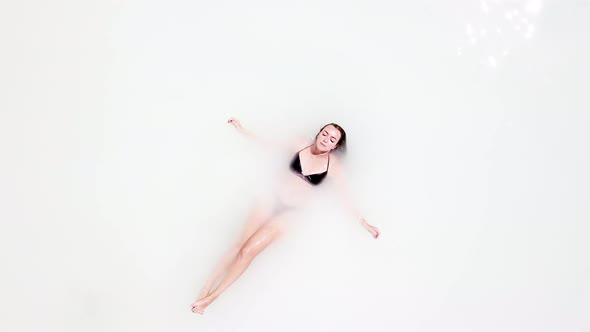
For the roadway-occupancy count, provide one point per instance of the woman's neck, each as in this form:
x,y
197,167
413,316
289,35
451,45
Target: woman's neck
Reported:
x,y
314,150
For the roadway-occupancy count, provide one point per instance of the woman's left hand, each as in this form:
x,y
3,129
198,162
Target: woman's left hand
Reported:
x,y
372,229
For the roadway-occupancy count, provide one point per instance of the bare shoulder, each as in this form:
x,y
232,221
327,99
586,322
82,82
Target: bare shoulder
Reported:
x,y
336,167
299,143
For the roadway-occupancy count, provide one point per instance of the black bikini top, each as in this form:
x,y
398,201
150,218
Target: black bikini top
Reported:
x,y
313,179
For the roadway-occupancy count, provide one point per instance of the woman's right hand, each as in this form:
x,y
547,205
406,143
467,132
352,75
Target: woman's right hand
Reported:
x,y
236,123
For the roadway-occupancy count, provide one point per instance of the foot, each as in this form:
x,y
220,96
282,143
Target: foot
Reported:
x,y
199,306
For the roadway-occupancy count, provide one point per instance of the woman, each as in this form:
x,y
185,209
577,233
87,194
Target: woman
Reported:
x,y
267,221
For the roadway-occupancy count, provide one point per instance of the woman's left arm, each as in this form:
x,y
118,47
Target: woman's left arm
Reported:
x,y
337,174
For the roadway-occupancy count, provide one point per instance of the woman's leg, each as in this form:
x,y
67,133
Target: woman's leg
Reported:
x,y
253,246
259,214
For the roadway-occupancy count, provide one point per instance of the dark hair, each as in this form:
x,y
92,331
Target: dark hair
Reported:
x,y
341,145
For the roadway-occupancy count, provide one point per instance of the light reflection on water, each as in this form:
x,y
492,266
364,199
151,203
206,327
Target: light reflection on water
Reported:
x,y
497,27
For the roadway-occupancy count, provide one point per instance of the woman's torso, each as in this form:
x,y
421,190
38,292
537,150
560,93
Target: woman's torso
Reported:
x,y
304,172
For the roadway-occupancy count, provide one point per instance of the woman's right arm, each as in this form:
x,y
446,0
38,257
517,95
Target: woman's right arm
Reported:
x,y
274,144
295,144
236,123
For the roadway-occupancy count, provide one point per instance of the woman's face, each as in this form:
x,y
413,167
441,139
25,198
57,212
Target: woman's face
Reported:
x,y
327,138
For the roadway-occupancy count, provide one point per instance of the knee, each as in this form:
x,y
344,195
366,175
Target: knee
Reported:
x,y
246,253
235,250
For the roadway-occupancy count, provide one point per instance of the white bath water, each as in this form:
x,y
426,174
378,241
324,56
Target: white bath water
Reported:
x,y
122,184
